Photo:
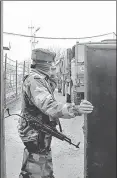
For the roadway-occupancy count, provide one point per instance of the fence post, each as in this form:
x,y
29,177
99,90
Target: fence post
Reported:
x,y
23,70
28,68
16,79
5,80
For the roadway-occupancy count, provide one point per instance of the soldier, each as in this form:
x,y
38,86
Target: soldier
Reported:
x,y
38,101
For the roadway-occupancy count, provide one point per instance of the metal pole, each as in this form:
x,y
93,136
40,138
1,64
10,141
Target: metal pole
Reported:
x,y
69,57
2,127
34,42
5,70
28,68
31,27
23,70
16,79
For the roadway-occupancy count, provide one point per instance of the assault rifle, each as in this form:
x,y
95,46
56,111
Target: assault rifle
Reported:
x,y
33,122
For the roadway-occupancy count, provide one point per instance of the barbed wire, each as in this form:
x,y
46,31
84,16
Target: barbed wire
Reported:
x,y
58,38
13,76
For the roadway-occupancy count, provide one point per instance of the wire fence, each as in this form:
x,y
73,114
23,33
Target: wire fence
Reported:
x,y
14,73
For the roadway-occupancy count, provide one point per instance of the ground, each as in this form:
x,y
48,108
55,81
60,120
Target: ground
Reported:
x,y
68,161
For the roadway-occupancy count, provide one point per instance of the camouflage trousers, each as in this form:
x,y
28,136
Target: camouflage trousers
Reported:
x,y
36,165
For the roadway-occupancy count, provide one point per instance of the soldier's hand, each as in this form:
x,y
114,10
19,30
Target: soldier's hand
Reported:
x,y
85,107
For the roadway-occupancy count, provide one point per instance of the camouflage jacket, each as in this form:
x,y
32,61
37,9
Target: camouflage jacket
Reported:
x,y
40,104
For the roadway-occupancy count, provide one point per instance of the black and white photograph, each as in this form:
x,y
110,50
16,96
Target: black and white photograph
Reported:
x,y
58,89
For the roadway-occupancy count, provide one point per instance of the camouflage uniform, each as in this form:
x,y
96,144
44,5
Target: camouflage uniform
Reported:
x,y
38,101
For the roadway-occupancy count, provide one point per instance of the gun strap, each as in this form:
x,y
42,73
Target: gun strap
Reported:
x,y
60,127
25,77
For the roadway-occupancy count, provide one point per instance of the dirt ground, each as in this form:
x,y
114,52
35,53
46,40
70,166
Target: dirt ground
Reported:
x,y
68,161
